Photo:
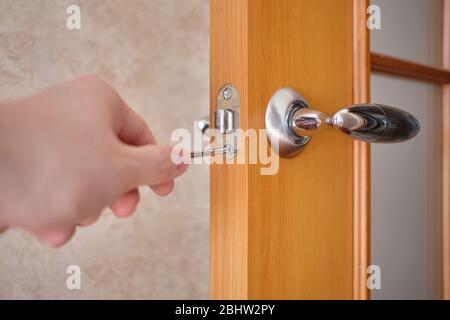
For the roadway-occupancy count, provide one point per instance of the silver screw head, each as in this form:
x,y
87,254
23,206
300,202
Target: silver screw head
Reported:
x,y
227,93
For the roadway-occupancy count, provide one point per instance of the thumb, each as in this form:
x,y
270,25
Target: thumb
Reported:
x,y
151,165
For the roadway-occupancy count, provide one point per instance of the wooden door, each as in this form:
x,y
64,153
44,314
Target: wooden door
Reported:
x,y
301,233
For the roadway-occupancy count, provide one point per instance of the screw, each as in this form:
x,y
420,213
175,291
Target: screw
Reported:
x,y
227,93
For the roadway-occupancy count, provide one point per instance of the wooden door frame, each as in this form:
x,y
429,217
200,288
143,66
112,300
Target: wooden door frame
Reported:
x,y
446,156
361,154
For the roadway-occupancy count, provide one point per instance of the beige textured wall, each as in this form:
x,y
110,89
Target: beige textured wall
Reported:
x,y
156,54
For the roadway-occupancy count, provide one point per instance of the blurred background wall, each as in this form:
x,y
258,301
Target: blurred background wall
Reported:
x,y
406,187
156,54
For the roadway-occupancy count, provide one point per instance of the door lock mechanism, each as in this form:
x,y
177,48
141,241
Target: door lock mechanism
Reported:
x,y
225,121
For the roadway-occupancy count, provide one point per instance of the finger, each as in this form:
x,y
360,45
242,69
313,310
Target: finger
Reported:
x,y
150,165
54,237
164,189
126,205
89,221
133,130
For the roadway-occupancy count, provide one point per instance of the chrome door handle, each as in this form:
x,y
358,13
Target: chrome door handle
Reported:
x,y
290,123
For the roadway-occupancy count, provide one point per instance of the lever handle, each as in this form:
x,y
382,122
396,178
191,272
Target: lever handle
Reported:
x,y
372,123
290,123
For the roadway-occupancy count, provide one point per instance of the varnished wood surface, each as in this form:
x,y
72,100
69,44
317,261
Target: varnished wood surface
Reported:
x,y
361,151
229,183
288,236
446,158
408,69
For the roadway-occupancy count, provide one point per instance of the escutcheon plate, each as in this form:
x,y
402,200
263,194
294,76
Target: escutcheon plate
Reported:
x,y
279,112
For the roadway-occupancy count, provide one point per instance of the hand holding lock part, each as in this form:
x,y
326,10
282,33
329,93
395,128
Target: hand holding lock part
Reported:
x,y
290,123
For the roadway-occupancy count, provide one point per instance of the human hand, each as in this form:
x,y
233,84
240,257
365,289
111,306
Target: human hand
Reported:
x,y
69,152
